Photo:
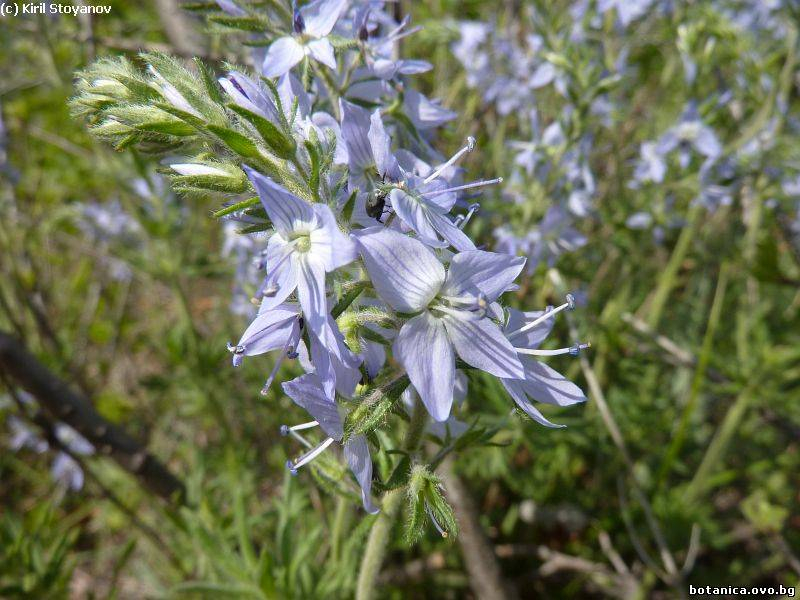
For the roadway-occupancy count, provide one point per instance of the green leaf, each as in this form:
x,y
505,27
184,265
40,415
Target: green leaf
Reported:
x,y
282,145
175,128
347,210
313,179
237,206
400,475
209,81
237,142
375,407
189,118
346,300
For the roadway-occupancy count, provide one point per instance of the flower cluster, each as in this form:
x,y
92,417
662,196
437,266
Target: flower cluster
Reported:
x,y
539,59
368,277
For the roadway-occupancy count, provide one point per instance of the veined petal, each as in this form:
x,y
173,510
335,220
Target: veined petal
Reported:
x,y
311,293
328,243
356,451
335,374
514,389
268,331
374,357
457,238
424,350
414,214
287,212
477,271
322,51
424,113
282,55
281,273
307,392
321,15
545,384
480,343
355,131
381,145
289,90
248,94
405,273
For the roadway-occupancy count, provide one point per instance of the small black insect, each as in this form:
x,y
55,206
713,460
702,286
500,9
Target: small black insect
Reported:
x,y
376,203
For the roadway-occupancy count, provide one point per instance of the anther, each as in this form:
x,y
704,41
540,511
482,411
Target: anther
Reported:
x,y
576,349
570,302
284,430
235,349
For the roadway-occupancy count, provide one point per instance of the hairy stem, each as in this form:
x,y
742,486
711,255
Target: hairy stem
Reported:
x,y
378,541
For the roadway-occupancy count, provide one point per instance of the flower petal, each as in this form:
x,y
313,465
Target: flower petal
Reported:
x,y
544,384
307,392
480,343
355,131
268,331
381,145
414,214
356,451
322,51
328,244
514,389
321,15
281,272
405,273
287,212
477,271
457,238
424,350
282,55
311,293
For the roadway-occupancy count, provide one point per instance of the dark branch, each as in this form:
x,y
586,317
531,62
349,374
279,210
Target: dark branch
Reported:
x,y
62,404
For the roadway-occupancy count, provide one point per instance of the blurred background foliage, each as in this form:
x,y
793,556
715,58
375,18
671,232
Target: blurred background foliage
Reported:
x,y
123,290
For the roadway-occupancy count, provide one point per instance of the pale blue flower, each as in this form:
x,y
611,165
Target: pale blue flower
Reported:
x,y
306,245
312,24
450,307
308,392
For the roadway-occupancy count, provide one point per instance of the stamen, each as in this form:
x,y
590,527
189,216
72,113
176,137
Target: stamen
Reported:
x,y
467,186
472,303
461,314
301,426
461,220
439,528
287,351
308,456
292,431
235,349
468,148
568,305
572,350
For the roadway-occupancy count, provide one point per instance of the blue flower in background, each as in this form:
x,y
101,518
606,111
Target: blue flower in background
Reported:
x,y
311,26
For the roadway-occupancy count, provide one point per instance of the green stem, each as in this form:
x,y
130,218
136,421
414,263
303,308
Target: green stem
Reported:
x,y
337,528
718,446
699,376
378,541
667,281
